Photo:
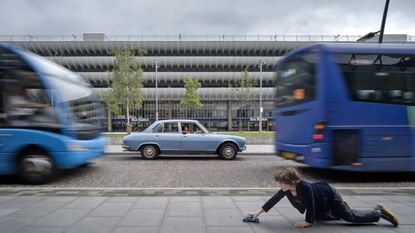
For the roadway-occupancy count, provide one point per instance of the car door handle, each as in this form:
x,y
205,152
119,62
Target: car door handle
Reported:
x,y
157,135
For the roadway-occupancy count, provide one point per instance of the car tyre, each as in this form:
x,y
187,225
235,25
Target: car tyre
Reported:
x,y
228,151
149,152
36,167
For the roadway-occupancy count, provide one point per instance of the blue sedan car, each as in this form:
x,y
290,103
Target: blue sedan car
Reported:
x,y
182,136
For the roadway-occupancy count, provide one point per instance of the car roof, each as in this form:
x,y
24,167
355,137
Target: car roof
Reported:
x,y
177,120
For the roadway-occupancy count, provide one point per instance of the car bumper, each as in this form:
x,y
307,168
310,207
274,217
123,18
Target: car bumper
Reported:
x,y
242,149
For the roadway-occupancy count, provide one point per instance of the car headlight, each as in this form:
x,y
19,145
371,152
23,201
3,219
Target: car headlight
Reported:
x,y
76,147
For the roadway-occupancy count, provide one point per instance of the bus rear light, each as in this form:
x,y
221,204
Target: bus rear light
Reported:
x,y
319,128
318,137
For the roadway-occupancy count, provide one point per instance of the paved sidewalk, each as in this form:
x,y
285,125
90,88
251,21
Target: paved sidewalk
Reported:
x,y
252,149
181,214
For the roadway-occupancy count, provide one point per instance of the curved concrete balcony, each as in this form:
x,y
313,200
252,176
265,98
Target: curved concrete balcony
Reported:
x,y
163,48
205,94
179,77
170,62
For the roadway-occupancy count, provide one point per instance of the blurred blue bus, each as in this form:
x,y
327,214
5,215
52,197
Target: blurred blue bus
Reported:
x,y
348,106
49,117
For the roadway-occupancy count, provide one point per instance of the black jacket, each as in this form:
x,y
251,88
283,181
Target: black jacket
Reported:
x,y
315,198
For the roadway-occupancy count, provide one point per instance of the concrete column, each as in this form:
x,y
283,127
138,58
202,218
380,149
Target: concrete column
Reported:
x,y
169,110
229,111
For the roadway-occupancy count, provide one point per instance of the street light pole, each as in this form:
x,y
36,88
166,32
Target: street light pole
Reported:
x,y
382,27
157,95
260,96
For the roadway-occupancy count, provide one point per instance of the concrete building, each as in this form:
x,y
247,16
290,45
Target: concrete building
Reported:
x,y
216,62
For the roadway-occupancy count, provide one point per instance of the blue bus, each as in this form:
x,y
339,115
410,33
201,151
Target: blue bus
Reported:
x,y
348,106
49,117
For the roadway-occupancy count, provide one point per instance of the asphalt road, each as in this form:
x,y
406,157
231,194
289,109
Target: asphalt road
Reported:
x,y
247,171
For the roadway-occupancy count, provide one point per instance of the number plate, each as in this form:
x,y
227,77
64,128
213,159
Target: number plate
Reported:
x,y
288,155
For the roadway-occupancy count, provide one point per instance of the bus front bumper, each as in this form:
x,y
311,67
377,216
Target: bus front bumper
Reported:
x,y
68,160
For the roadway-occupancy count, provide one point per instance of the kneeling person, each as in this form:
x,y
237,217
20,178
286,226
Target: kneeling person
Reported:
x,y
320,201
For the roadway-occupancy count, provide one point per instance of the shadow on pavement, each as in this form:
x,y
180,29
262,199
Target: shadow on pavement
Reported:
x,y
181,157
358,177
70,174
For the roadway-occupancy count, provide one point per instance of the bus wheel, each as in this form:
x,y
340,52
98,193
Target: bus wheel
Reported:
x,y
149,152
228,151
36,168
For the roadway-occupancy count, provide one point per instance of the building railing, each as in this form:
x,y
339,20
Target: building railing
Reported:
x,y
180,37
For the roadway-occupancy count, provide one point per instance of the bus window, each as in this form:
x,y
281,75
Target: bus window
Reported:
x,y
296,81
28,102
379,78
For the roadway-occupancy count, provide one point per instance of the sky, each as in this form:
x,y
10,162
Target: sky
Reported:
x,y
205,17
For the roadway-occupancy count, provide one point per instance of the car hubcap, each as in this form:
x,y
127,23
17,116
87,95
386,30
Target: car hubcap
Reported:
x,y
149,151
36,166
228,151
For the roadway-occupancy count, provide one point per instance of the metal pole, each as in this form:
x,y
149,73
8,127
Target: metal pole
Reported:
x,y
157,95
382,27
260,96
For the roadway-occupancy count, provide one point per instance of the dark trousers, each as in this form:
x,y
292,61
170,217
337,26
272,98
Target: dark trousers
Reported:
x,y
339,210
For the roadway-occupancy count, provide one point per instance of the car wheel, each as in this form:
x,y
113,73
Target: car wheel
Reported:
x,y
228,151
149,152
36,167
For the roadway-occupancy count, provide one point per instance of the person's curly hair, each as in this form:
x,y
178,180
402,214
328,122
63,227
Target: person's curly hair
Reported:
x,y
287,175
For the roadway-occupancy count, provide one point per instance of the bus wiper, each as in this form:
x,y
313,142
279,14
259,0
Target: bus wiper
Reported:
x,y
378,58
352,62
402,64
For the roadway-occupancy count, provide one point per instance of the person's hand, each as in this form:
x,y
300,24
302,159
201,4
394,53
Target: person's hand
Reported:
x,y
302,224
255,214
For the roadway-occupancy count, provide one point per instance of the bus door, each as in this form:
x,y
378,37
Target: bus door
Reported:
x,y
297,106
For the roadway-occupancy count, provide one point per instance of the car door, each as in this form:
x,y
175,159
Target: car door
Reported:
x,y
196,139
168,137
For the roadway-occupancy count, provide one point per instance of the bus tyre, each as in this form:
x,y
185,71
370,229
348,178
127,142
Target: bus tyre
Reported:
x,y
228,151
36,168
149,152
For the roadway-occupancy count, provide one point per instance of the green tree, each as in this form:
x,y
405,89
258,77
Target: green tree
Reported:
x,y
191,99
244,92
127,83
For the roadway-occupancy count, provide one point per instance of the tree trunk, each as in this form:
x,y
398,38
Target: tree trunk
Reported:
x,y
128,117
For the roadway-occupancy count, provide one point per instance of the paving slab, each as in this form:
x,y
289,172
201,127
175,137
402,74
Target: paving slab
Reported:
x,y
162,214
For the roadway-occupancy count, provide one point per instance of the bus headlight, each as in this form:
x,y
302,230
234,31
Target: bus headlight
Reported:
x,y
76,147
